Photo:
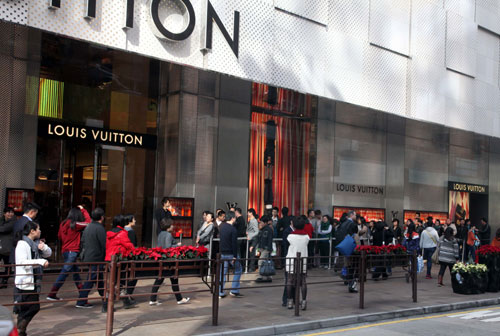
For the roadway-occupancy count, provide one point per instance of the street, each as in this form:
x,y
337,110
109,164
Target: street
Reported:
x,y
468,322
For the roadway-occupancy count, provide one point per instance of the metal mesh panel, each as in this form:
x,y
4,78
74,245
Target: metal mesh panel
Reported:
x,y
14,10
5,105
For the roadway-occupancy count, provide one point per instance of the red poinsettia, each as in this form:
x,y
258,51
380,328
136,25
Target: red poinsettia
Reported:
x,y
158,253
387,249
488,250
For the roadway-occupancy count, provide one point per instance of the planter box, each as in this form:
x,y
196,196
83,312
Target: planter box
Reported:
x,y
469,284
167,268
493,264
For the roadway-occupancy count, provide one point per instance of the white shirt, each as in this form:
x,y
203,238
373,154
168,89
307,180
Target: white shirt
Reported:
x,y
24,274
298,243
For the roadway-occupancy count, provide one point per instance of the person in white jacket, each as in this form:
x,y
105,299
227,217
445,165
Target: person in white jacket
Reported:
x,y
428,243
298,239
29,251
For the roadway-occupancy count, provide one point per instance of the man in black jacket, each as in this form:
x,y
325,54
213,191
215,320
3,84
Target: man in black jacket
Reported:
x,y
265,244
285,244
162,212
228,247
93,244
484,232
30,212
6,239
241,229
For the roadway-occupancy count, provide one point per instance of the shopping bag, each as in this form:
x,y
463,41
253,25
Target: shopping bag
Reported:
x,y
346,246
273,253
267,268
420,264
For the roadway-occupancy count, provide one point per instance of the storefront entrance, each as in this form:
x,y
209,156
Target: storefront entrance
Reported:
x,y
468,201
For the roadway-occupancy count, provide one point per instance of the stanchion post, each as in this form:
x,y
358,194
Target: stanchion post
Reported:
x,y
297,274
414,275
362,274
215,294
246,258
111,297
330,254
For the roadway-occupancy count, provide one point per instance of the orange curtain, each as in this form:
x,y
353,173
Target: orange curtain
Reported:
x,y
291,168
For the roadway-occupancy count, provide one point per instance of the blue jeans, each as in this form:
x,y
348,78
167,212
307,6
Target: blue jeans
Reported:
x,y
96,274
228,258
69,257
428,252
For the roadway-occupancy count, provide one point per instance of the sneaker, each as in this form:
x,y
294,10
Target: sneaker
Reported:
x,y
184,300
53,298
428,277
222,296
236,295
154,303
85,305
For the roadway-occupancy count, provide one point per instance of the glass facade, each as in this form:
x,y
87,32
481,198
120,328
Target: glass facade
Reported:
x,y
221,139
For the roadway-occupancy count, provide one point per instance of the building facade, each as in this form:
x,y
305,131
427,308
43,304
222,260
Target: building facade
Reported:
x,y
391,107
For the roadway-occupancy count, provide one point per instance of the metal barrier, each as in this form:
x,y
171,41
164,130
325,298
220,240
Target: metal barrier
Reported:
x,y
121,276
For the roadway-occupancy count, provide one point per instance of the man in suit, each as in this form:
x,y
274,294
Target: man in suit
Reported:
x,y
30,212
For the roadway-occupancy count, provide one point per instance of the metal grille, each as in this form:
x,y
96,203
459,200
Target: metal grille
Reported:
x,y
14,11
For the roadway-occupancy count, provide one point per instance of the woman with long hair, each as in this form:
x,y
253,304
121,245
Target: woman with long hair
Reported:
x,y
411,241
449,253
69,236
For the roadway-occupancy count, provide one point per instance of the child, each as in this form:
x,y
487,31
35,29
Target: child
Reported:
x,y
298,240
166,240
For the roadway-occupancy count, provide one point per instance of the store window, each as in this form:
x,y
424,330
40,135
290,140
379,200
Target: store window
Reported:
x,y
111,97
282,147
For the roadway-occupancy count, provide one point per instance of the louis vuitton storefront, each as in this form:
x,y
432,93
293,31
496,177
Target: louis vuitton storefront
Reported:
x,y
212,102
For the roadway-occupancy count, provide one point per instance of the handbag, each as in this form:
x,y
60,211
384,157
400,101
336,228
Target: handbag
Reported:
x,y
347,246
267,268
420,264
435,256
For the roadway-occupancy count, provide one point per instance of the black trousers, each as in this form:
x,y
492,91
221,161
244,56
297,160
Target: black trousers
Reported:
x,y
5,259
26,311
442,267
175,288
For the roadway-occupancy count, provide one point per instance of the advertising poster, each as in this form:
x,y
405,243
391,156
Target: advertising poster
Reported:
x,y
459,205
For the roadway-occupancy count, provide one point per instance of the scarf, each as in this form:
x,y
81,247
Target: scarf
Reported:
x,y
35,254
299,232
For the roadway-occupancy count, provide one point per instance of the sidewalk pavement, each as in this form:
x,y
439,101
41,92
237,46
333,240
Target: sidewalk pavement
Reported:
x,y
260,308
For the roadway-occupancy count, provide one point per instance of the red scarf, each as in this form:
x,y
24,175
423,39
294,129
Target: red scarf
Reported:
x,y
299,232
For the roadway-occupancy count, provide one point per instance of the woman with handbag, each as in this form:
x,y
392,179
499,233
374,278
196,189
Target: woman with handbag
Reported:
x,y
411,241
428,243
449,252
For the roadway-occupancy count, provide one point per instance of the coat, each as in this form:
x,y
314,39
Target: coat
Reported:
x,y
25,279
93,243
6,235
266,236
298,243
117,241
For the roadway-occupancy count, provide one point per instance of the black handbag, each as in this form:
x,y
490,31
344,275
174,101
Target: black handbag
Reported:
x,y
267,268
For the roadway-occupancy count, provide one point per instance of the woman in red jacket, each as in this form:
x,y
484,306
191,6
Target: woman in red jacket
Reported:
x,y
118,241
69,236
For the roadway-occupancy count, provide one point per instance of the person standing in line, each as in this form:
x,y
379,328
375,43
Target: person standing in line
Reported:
x,y
166,240
420,226
265,244
206,231
298,240
283,223
324,231
30,212
241,228
349,227
29,250
229,255
285,244
484,232
473,243
275,218
428,244
69,236
7,222
252,232
162,212
93,251
496,241
448,253
396,232
362,230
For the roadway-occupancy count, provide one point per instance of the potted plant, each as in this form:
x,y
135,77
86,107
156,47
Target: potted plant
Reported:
x,y
469,278
490,256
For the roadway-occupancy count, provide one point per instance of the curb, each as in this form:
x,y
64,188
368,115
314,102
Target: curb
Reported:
x,y
355,319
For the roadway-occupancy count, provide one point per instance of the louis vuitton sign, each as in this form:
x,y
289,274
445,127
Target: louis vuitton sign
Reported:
x,y
59,130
